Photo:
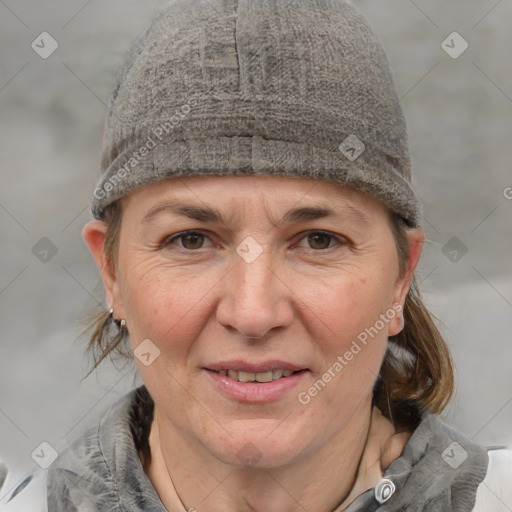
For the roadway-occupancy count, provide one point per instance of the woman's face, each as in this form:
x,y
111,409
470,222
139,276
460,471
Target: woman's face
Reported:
x,y
267,281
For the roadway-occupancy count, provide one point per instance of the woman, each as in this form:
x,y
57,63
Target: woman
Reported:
x,y
280,373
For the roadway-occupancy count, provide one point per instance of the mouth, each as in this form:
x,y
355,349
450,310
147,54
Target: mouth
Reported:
x,y
245,381
261,377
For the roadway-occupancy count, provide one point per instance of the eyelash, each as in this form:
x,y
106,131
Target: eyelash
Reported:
x,y
168,241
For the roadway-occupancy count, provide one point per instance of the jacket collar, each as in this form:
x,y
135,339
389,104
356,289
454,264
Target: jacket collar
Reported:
x,y
439,469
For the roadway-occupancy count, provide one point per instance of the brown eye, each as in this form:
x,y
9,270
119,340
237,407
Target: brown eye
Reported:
x,y
190,241
319,240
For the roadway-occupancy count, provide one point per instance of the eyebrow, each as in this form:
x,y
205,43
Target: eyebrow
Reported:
x,y
301,214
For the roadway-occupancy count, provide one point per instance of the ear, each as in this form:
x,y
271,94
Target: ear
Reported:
x,y
415,239
94,233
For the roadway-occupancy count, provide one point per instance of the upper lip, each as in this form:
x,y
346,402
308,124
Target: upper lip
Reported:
x,y
253,367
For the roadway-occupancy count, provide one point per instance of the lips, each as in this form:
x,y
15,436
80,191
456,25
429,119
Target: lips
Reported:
x,y
244,371
255,382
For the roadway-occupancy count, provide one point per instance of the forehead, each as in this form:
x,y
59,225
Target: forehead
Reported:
x,y
261,194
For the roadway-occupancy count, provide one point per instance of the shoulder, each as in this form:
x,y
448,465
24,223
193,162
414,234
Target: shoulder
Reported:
x,y
439,469
495,492
83,473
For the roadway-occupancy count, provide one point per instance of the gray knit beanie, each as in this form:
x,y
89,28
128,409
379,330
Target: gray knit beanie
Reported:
x,y
298,88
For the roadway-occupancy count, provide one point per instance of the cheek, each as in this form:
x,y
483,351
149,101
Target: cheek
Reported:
x,y
357,311
355,301
164,303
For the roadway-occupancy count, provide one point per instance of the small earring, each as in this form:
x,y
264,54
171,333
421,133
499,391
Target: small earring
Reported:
x,y
121,324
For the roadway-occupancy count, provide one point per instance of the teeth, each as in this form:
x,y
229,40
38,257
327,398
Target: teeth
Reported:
x,y
277,374
264,377
256,377
246,377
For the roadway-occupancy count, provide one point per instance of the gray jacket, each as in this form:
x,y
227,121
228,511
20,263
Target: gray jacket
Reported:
x,y
439,470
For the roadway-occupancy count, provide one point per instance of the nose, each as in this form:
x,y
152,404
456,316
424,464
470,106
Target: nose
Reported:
x,y
255,298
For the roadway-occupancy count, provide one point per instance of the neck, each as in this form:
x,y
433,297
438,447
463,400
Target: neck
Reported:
x,y
186,476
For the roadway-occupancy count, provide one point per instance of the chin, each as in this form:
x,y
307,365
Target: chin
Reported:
x,y
254,455
257,450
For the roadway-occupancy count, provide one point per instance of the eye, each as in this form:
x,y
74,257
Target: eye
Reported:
x,y
320,240
191,240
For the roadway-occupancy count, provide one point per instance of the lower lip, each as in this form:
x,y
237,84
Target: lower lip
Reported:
x,y
256,391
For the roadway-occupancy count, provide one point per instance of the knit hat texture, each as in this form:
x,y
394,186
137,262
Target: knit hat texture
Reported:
x,y
298,88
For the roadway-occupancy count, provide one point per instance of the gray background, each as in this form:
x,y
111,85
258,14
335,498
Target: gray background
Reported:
x,y
459,115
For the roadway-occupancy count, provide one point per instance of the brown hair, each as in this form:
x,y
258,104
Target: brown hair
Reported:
x,y
417,372
416,375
